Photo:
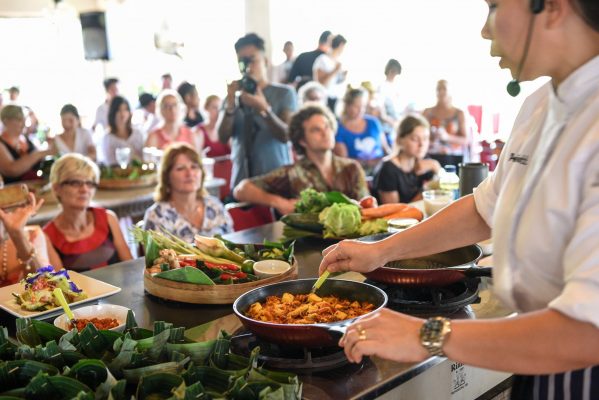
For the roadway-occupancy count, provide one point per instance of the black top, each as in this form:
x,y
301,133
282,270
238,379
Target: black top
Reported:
x,y
302,66
28,175
191,122
388,177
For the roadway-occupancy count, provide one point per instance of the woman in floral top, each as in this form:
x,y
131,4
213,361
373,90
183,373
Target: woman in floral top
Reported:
x,y
182,206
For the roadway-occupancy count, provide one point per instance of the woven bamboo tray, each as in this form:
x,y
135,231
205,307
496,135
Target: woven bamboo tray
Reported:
x,y
208,294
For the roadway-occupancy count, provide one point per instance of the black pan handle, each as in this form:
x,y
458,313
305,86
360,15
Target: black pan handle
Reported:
x,y
478,271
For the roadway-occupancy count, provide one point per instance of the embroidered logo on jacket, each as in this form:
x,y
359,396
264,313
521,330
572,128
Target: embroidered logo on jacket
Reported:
x,y
519,158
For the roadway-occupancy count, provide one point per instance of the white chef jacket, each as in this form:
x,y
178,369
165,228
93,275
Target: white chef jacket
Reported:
x,y
542,201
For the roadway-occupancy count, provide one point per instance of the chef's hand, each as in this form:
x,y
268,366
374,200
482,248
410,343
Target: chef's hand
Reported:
x,y
386,334
285,206
256,101
351,255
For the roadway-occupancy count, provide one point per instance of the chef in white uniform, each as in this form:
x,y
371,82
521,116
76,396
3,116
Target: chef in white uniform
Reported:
x,y
541,206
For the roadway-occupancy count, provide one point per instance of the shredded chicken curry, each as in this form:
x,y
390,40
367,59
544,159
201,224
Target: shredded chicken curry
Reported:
x,y
306,309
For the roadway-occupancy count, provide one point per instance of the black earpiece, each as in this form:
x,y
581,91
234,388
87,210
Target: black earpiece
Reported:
x,y
537,6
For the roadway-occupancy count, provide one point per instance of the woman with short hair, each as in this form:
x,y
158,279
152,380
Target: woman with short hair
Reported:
x,y
84,237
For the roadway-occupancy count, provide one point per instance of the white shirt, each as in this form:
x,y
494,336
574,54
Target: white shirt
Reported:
x,y
111,142
102,115
83,141
545,221
326,63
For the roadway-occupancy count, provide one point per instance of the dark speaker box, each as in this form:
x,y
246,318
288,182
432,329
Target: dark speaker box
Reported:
x,y
95,39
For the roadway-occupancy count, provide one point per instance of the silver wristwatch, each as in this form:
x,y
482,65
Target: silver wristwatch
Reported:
x,y
433,333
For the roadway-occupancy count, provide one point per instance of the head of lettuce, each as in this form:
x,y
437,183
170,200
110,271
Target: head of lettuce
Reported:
x,y
340,220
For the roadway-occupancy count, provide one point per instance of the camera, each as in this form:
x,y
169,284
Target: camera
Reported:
x,y
14,196
246,83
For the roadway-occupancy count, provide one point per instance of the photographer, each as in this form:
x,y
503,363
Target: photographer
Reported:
x,y
255,115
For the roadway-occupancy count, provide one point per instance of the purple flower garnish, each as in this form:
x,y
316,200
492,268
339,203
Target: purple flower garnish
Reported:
x,y
48,268
74,287
62,272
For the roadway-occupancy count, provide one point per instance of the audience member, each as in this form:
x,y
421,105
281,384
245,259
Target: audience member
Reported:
x,y
280,73
74,138
173,129
257,122
121,133
167,81
312,92
401,177
19,159
312,132
448,128
301,70
211,145
111,86
23,248
31,122
327,70
360,136
182,206
191,99
84,237
389,95
144,118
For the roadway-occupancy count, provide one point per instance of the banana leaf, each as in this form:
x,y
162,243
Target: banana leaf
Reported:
x,y
47,331
134,375
17,374
54,387
123,359
159,386
198,352
213,379
69,340
269,394
90,372
155,346
186,275
118,391
92,343
7,347
50,354
196,392
26,332
290,383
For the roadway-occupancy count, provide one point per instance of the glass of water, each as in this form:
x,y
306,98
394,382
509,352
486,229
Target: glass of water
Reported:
x,y
123,156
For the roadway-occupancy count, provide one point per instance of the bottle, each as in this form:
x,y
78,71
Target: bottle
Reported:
x,y
449,180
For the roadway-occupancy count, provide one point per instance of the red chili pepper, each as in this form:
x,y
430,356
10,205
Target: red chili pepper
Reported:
x,y
240,275
226,267
226,277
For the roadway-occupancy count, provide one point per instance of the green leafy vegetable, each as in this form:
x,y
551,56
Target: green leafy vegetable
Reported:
x,y
372,226
311,201
340,220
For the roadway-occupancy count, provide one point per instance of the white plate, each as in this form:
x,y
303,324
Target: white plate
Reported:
x,y
94,289
96,311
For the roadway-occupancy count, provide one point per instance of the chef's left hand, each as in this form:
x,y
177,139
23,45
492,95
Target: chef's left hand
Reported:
x,y
387,334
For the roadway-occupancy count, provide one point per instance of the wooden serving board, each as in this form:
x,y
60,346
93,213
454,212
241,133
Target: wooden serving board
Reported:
x,y
208,294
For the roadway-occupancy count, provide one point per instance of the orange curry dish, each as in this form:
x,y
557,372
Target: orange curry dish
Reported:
x,y
306,309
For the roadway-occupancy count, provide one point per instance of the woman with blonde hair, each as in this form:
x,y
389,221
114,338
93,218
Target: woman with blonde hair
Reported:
x,y
182,206
173,129
401,177
84,237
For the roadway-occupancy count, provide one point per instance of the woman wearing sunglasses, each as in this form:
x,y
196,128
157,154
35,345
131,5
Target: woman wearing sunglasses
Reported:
x,y
84,237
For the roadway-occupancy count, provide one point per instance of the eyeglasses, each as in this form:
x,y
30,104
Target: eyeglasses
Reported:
x,y
77,183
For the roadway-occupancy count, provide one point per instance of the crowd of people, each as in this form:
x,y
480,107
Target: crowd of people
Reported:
x,y
278,131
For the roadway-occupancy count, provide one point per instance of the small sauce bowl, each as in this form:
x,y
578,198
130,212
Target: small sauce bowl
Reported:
x,y
270,268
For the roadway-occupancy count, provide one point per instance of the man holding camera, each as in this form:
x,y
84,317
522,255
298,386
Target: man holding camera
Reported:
x,y
255,114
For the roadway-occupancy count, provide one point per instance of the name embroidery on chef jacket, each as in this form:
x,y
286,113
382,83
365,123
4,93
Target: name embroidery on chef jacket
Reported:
x,y
519,158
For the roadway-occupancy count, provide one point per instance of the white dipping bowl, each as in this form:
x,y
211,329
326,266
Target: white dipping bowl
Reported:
x,y
96,311
269,268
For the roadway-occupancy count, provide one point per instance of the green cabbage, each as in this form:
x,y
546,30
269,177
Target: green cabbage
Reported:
x,y
340,220
373,226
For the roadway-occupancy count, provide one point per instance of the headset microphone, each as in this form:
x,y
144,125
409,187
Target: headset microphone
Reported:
x,y
513,87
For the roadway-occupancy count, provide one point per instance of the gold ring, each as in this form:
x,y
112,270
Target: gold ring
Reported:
x,y
362,335
359,328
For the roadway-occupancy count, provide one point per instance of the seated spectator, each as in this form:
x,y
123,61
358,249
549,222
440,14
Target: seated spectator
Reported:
x,y
401,177
84,237
121,133
312,92
74,138
312,132
360,136
144,118
111,87
449,139
19,159
209,133
24,248
182,206
191,99
173,129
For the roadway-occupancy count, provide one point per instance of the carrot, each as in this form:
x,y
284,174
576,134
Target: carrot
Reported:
x,y
409,212
382,210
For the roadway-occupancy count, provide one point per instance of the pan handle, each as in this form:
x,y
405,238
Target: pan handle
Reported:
x,y
478,271
338,330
